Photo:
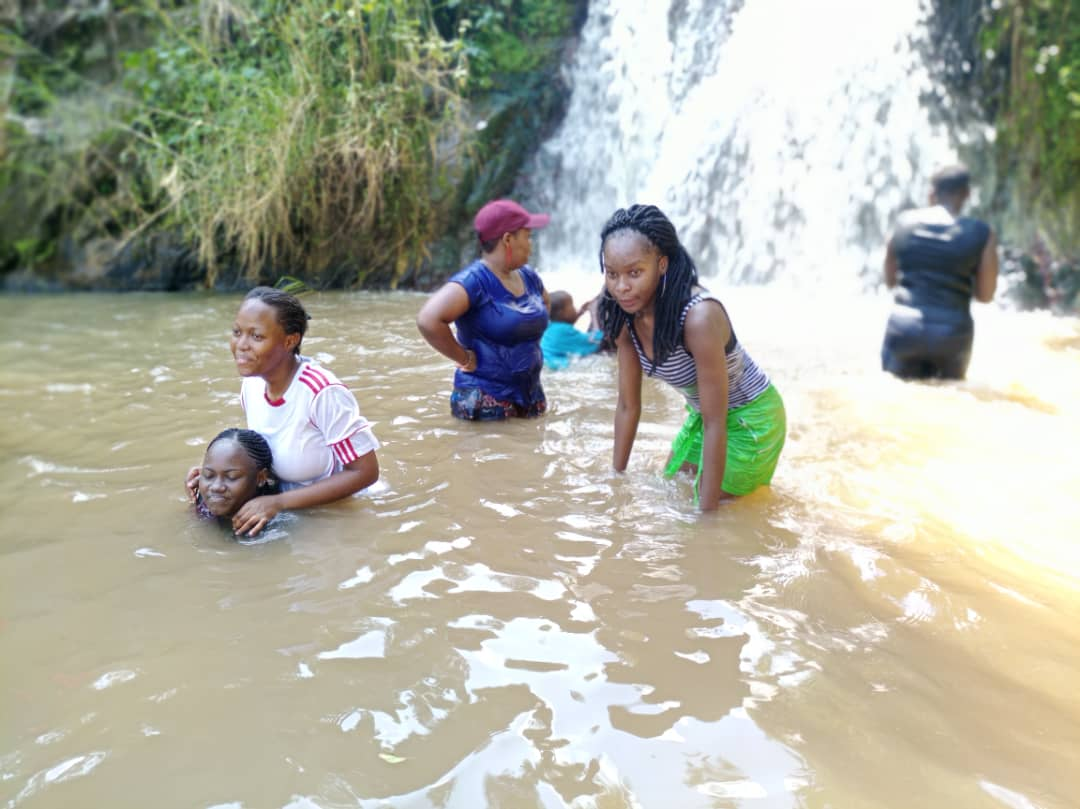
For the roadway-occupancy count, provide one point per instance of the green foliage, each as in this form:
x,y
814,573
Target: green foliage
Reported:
x,y
309,137
1038,110
59,151
310,145
504,37
295,136
292,285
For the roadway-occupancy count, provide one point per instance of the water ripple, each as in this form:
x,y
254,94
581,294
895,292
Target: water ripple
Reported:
x,y
67,770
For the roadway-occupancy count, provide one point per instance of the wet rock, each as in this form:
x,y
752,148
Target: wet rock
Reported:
x,y
1032,279
160,262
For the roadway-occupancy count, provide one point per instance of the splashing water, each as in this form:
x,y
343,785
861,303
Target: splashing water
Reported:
x,y
780,138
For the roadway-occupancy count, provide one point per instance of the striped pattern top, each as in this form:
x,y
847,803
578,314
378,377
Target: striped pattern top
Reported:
x,y
314,430
745,380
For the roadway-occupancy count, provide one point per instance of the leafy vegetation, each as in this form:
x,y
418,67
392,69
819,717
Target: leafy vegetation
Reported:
x,y
317,138
1016,64
1038,108
506,37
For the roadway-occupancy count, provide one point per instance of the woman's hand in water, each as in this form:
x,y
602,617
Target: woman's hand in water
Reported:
x,y
255,514
191,482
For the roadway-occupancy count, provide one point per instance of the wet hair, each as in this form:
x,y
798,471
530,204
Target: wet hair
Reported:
x,y
561,299
291,315
681,278
951,181
256,448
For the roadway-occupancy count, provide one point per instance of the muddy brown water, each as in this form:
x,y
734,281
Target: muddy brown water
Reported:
x,y
502,621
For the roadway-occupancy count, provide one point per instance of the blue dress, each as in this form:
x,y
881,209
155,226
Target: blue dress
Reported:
x,y
504,330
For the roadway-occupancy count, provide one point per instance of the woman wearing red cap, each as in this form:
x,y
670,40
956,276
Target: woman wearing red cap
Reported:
x,y
499,308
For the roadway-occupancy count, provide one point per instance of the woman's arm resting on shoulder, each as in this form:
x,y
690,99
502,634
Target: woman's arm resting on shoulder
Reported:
x,y
434,319
987,273
707,331
628,409
256,513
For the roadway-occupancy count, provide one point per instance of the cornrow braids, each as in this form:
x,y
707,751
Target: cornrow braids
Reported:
x,y
291,315
256,448
680,279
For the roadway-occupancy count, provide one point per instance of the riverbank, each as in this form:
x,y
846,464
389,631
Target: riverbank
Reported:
x,y
132,159
221,144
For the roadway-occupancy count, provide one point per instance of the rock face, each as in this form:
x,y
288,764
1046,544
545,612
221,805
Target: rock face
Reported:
x,y
511,125
160,262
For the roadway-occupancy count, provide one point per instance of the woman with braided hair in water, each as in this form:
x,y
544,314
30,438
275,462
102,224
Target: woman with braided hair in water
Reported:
x,y
664,322
238,466
324,449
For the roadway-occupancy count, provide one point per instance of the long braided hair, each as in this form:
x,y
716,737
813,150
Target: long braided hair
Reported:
x,y
257,449
675,291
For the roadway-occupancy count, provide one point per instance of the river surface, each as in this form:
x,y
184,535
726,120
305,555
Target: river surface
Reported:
x,y
501,621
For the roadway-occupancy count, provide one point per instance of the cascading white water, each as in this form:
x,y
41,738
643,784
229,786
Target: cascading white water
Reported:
x,y
781,137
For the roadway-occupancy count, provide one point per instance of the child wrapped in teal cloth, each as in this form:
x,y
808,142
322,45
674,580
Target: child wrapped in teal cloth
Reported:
x,y
562,339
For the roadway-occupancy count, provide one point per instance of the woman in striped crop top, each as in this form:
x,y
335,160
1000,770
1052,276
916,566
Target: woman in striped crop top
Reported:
x,y
663,322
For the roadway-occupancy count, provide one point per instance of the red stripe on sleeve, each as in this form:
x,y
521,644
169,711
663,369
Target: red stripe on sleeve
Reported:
x,y
310,383
345,451
318,375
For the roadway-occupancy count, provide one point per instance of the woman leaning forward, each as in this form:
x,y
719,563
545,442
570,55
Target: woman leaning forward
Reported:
x,y
665,323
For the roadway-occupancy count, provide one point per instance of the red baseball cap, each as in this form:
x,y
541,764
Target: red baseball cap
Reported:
x,y
505,216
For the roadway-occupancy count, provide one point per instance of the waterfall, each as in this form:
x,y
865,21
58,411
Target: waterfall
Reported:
x,y
780,136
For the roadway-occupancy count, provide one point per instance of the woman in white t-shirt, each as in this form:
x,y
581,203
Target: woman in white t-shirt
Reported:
x,y
324,450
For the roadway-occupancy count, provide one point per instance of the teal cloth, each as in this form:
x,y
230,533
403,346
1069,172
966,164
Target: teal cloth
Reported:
x,y
561,341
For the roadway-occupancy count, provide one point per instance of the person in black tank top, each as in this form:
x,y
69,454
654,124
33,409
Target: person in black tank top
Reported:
x,y
936,261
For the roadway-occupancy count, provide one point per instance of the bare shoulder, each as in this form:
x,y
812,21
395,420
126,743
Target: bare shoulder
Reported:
x,y
706,324
706,313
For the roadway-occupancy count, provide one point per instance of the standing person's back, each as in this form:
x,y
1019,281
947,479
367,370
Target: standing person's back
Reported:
x,y
937,260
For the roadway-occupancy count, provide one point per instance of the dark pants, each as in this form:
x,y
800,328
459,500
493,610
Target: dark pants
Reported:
x,y
921,347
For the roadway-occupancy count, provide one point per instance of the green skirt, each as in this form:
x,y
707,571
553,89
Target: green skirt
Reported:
x,y
755,436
